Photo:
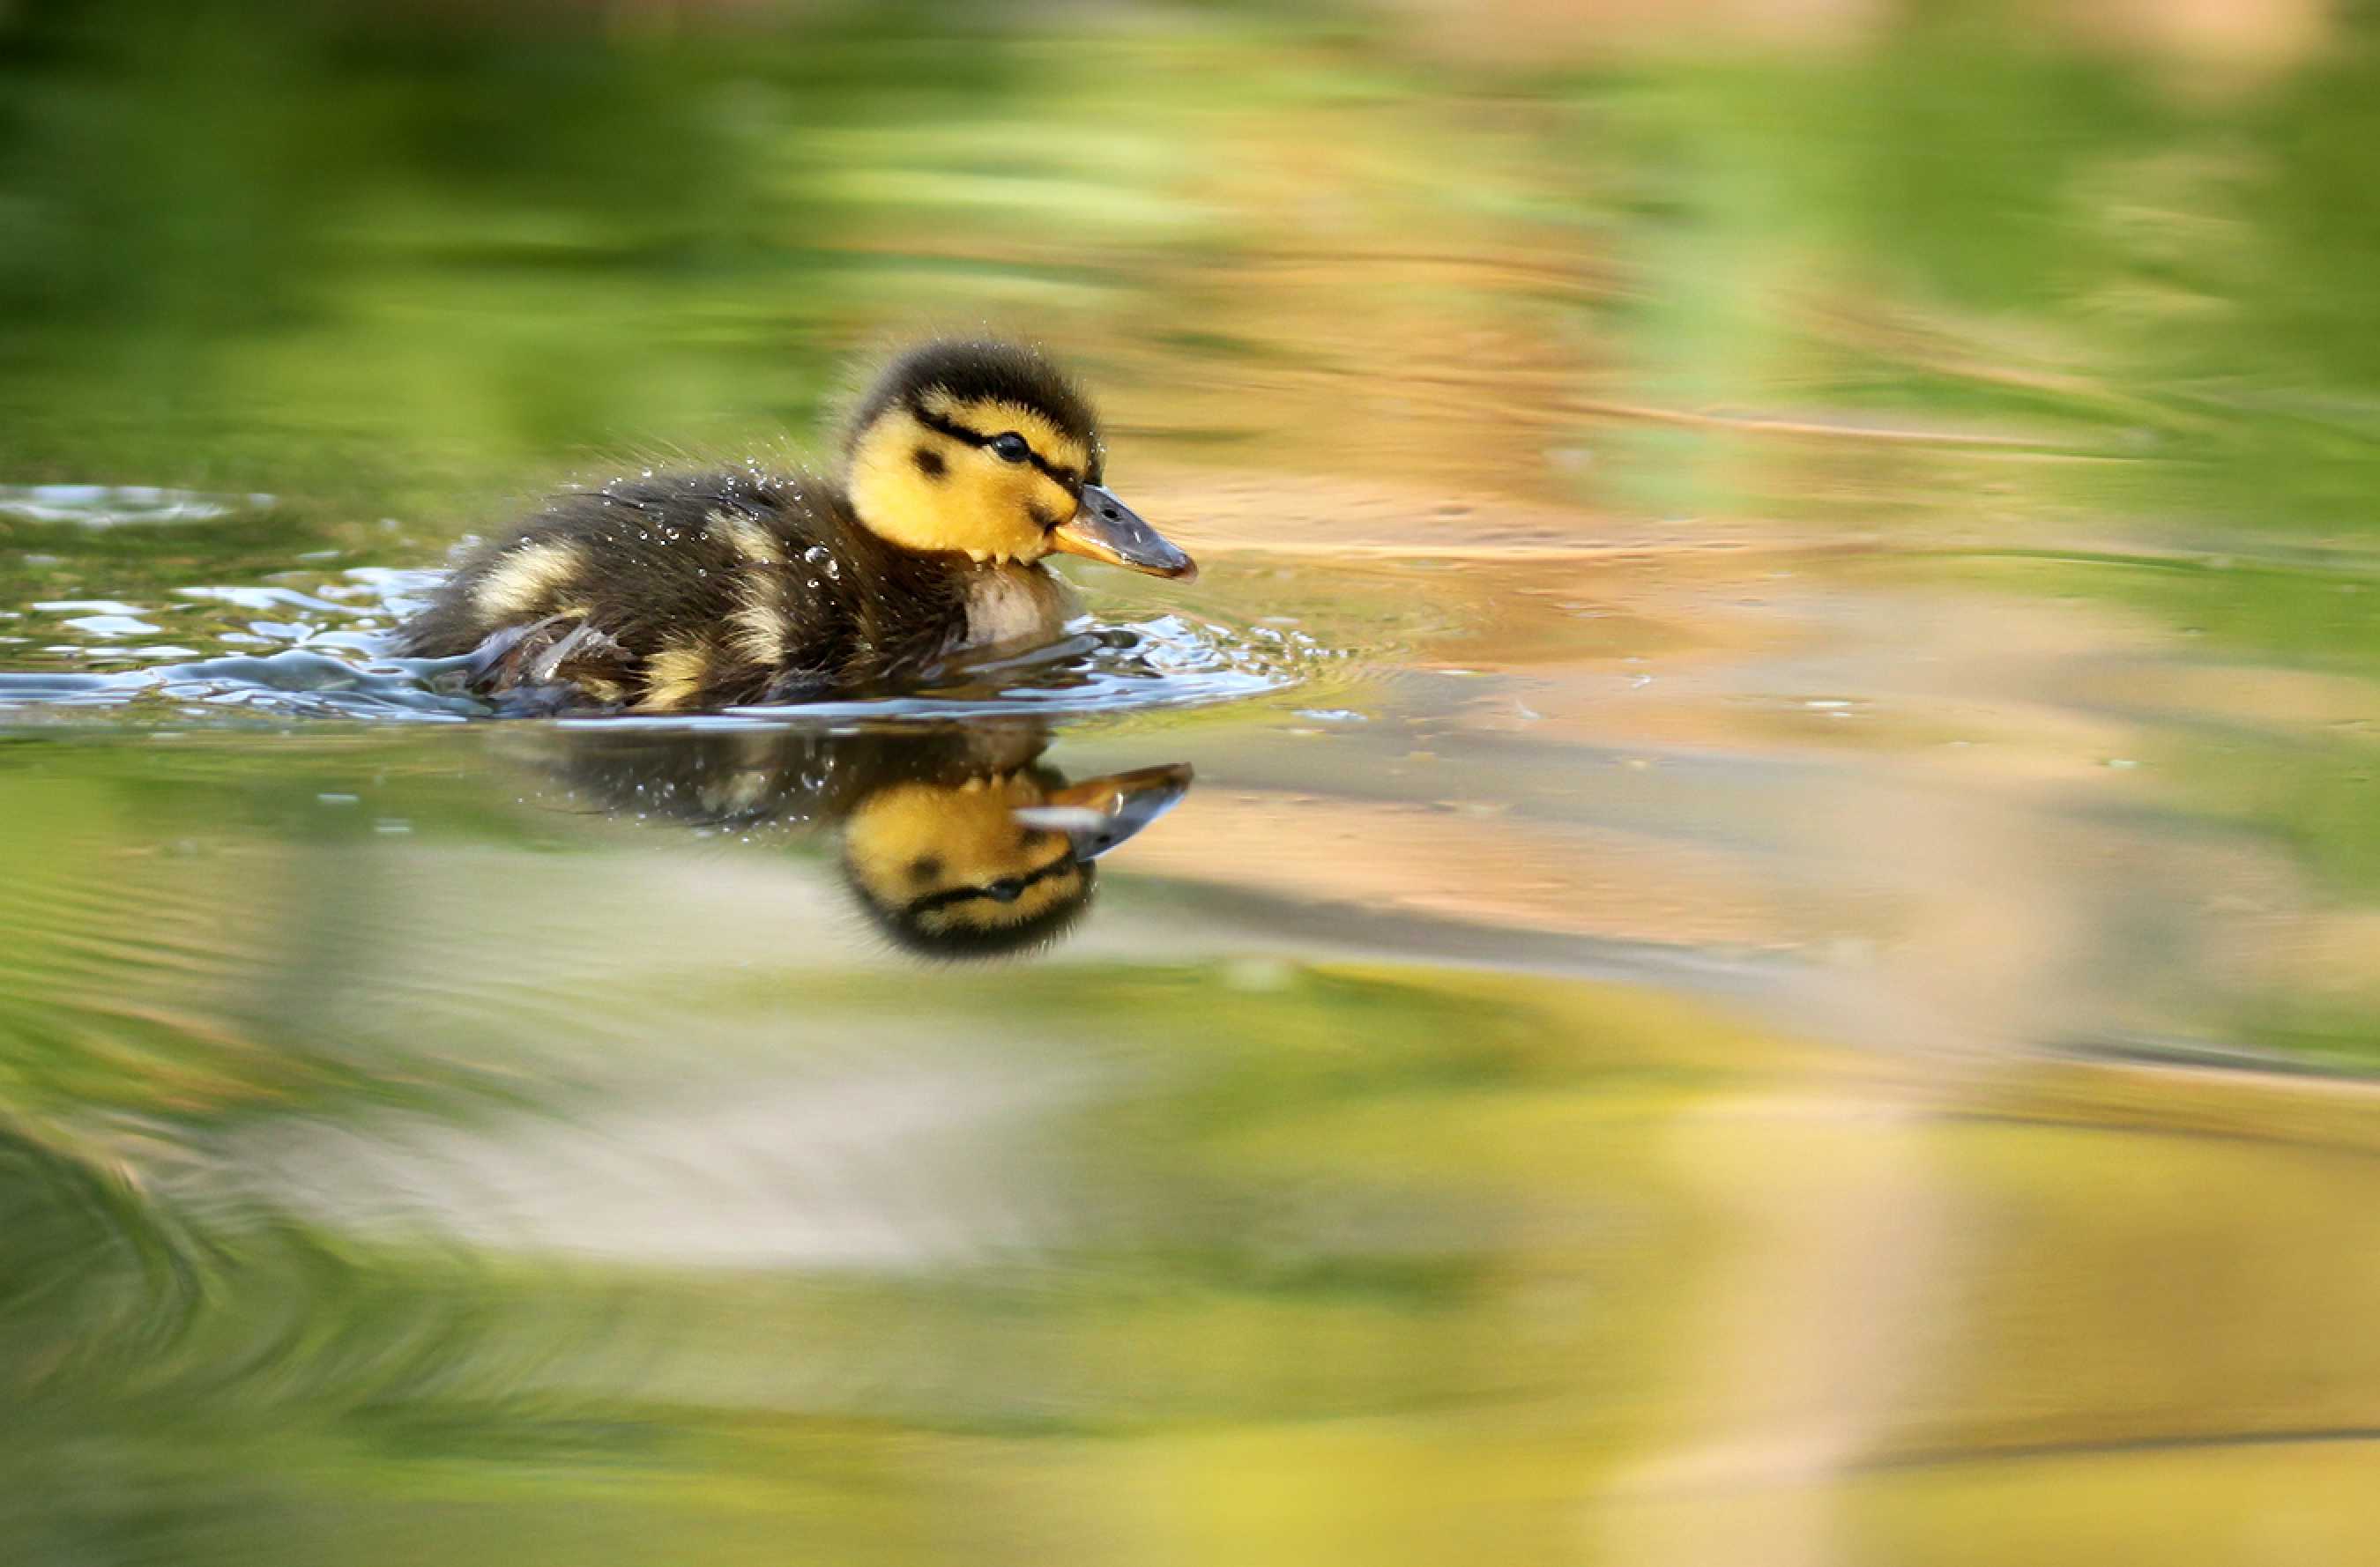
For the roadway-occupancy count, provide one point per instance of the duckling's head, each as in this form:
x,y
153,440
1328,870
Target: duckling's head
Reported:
x,y
987,450
995,864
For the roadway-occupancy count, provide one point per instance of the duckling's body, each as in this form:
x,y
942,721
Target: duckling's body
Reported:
x,y
675,592
699,590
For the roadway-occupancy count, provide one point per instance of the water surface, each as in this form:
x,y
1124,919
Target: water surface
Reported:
x,y
1770,959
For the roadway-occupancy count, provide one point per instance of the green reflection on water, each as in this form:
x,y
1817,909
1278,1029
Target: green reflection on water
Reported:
x,y
353,1195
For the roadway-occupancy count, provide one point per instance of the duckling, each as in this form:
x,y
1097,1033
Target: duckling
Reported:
x,y
957,841
964,467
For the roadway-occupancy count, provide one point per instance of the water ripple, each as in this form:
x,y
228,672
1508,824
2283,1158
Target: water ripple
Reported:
x,y
311,647
110,505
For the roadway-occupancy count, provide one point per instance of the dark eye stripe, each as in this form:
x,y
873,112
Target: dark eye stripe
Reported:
x,y
1066,477
949,895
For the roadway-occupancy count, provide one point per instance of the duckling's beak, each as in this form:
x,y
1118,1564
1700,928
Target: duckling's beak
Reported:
x,y
1100,813
1104,529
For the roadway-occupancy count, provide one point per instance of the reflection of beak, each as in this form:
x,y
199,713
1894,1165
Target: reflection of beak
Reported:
x,y
1104,529
1100,813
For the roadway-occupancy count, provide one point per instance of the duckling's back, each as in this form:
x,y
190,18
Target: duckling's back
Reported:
x,y
686,590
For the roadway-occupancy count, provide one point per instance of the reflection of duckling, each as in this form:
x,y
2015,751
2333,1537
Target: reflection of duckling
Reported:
x,y
966,465
957,841
997,863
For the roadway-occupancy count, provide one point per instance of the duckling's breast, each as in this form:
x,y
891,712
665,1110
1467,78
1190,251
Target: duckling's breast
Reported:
x,y
1020,604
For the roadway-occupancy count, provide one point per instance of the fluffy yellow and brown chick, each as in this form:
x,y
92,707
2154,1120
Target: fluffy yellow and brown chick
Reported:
x,y
966,465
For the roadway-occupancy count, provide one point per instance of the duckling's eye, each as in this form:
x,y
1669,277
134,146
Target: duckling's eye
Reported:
x,y
1011,447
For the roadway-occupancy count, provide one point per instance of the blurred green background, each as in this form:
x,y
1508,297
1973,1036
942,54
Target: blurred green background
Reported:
x,y
376,251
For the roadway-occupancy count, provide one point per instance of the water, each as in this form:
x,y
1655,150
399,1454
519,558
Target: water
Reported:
x,y
1736,922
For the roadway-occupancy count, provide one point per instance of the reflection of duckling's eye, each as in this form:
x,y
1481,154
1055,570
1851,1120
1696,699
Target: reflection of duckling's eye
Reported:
x,y
1011,447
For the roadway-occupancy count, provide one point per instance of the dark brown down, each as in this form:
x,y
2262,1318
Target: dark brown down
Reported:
x,y
695,590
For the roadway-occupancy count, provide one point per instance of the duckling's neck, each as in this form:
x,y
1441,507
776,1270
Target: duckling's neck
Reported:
x,y
1019,604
